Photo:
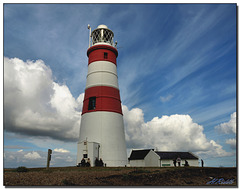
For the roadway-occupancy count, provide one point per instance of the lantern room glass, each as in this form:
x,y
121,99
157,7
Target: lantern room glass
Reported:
x,y
102,35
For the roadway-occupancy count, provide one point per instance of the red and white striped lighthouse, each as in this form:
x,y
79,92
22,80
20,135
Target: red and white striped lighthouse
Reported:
x,y
102,129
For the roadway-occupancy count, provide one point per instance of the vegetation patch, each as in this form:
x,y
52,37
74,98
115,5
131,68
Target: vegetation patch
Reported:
x,y
21,169
139,171
67,182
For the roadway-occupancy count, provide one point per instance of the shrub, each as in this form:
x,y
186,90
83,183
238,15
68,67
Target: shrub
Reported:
x,y
126,177
22,169
138,171
67,182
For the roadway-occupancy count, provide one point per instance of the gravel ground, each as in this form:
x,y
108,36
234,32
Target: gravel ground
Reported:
x,y
96,176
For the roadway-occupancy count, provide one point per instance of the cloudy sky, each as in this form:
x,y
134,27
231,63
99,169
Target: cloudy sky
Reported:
x,y
176,68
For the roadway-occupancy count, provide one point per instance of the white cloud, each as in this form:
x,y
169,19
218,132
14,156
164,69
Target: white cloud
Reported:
x,y
37,159
168,133
11,157
20,151
69,159
216,150
36,105
232,143
32,155
228,127
61,150
167,98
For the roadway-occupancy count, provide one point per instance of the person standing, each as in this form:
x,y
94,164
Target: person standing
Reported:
x,y
174,162
88,164
83,163
101,162
96,162
179,161
202,162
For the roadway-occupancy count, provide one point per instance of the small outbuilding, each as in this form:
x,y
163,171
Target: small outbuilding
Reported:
x,y
151,158
144,158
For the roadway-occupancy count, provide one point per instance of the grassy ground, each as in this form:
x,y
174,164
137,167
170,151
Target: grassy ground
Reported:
x,y
127,176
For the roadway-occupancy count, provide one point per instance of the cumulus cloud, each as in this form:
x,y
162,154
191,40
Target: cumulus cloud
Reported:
x,y
168,133
32,155
232,143
37,159
228,127
11,157
35,105
61,150
216,150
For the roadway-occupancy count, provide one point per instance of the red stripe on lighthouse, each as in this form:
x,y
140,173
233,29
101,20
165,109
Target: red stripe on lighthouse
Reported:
x,y
107,99
102,53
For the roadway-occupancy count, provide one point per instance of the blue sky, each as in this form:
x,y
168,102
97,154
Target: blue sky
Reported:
x,y
174,59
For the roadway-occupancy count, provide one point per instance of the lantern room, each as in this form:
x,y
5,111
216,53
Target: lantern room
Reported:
x,y
102,35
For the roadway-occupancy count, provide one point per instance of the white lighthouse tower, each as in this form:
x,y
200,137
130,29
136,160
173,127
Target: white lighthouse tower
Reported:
x,y
102,129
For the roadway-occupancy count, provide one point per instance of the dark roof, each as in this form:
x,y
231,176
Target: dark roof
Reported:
x,y
174,155
138,154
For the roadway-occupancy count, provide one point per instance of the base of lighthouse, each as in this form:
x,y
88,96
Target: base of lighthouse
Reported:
x,y
102,136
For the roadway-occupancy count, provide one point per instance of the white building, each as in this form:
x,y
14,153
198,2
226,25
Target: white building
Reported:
x,y
151,158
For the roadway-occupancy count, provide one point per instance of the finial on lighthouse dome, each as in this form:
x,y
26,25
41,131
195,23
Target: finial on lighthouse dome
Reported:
x,y
102,35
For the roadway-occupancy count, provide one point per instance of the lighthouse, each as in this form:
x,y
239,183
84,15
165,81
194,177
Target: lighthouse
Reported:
x,y
102,128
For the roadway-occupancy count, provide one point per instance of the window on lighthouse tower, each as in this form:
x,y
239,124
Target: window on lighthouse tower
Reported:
x,y
92,103
105,55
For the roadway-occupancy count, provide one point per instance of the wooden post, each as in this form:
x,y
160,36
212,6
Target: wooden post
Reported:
x,y
49,158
